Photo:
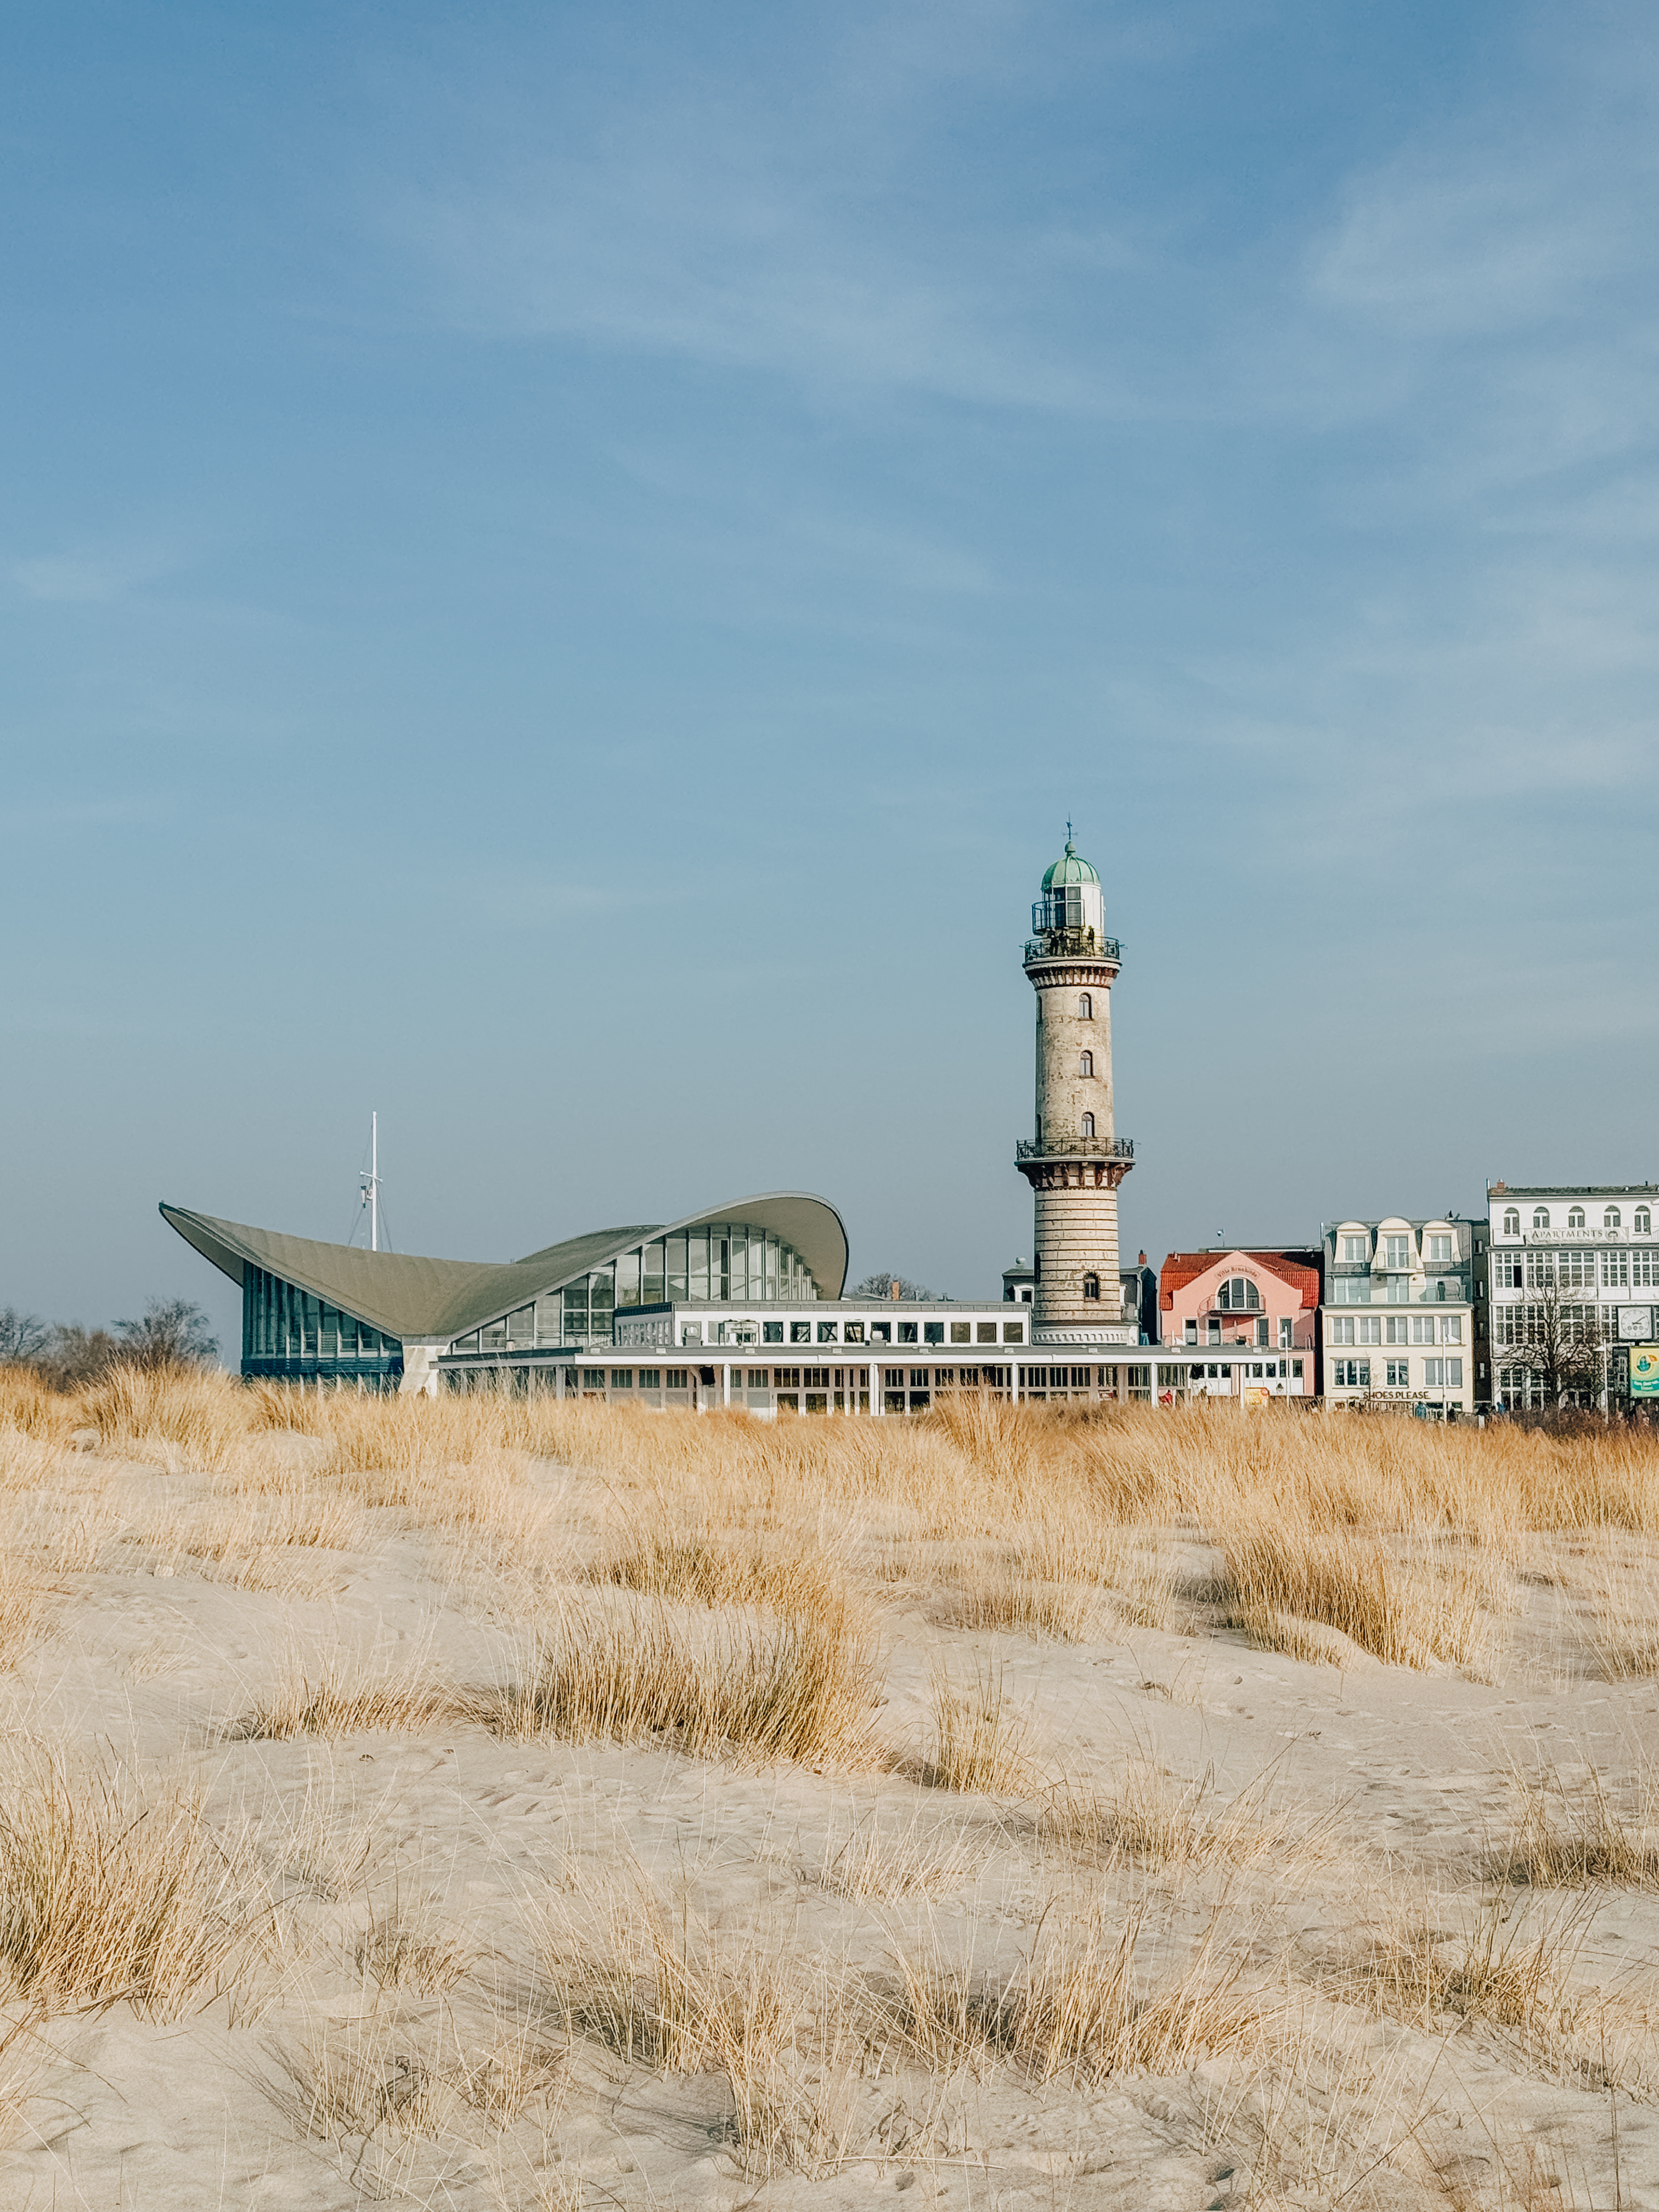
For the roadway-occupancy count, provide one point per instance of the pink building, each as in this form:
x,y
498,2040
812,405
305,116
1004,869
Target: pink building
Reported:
x,y
1253,1313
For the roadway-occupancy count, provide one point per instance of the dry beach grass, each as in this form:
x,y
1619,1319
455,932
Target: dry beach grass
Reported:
x,y
498,1803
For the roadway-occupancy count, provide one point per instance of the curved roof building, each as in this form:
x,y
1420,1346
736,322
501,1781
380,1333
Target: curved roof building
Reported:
x,y
334,1311
742,1306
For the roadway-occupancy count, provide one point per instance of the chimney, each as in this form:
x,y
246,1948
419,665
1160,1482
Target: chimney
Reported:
x,y
893,1288
1143,1259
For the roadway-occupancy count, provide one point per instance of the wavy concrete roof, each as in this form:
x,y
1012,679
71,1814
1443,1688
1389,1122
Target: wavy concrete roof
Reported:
x,y
405,1297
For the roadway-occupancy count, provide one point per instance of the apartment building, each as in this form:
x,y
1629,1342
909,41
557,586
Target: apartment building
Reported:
x,y
1397,1329
1572,1283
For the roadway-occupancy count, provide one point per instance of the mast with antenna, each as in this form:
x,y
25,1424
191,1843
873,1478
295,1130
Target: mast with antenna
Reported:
x,y
371,1183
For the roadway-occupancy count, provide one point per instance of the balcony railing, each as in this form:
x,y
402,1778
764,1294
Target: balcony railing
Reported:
x,y
1070,945
1092,1148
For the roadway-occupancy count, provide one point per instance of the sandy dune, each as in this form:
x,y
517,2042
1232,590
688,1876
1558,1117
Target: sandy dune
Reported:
x,y
326,1880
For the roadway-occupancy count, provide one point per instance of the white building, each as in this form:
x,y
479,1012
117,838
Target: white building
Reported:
x,y
1590,1248
1397,1327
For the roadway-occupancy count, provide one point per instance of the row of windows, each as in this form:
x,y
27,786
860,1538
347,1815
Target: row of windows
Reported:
x,y
1395,1328
1618,1268
1520,1386
281,1321
1612,1218
729,1262
1213,1331
1529,1324
503,1338
821,1378
1390,1291
1356,1375
1396,1250
1252,1370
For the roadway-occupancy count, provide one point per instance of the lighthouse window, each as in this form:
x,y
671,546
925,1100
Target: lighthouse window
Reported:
x,y
1088,1125
1091,1286
1088,1064
1086,1008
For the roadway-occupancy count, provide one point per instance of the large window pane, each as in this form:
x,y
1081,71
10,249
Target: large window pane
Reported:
x,y
677,1268
651,1288
628,1278
575,1312
699,1264
601,1300
549,1318
739,1265
521,1327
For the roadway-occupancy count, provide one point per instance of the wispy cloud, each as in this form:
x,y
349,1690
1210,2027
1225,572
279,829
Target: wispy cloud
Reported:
x,y
92,575
735,274
1461,243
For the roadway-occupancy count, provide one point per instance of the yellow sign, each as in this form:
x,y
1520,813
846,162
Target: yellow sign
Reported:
x,y
1644,1370
1255,1394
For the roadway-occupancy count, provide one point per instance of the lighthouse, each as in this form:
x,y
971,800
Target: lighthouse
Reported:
x,y
1074,1159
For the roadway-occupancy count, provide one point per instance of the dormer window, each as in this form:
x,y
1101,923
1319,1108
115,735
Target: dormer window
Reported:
x,y
1512,1221
1541,1216
1356,1250
1611,1218
1399,1251
1576,1217
1238,1294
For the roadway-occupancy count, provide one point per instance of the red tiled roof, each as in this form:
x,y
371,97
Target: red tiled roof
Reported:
x,y
1181,1269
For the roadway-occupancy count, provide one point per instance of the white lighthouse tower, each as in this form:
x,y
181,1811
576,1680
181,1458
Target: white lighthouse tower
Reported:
x,y
1074,1161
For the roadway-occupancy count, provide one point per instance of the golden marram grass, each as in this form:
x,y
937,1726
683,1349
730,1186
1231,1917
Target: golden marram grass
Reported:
x,y
500,1801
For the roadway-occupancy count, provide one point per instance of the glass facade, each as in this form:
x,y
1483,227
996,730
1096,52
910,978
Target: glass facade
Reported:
x,y
724,1263
290,1333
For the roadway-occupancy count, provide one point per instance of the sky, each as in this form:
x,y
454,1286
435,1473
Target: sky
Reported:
x,y
562,571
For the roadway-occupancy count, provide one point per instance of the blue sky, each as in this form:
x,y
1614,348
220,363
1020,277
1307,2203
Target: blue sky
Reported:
x,y
562,571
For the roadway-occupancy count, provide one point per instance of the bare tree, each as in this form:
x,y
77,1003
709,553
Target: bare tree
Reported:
x,y
173,1333
1558,1343
72,1355
21,1335
881,1287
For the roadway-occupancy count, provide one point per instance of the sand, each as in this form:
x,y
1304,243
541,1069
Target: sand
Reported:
x,y
1317,1864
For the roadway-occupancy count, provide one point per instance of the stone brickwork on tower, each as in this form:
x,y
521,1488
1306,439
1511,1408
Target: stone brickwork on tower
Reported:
x,y
1074,1160
1076,1232
1073,1053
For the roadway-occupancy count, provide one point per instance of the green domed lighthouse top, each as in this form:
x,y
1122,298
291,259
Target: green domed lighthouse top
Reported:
x,y
1069,869
1071,901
